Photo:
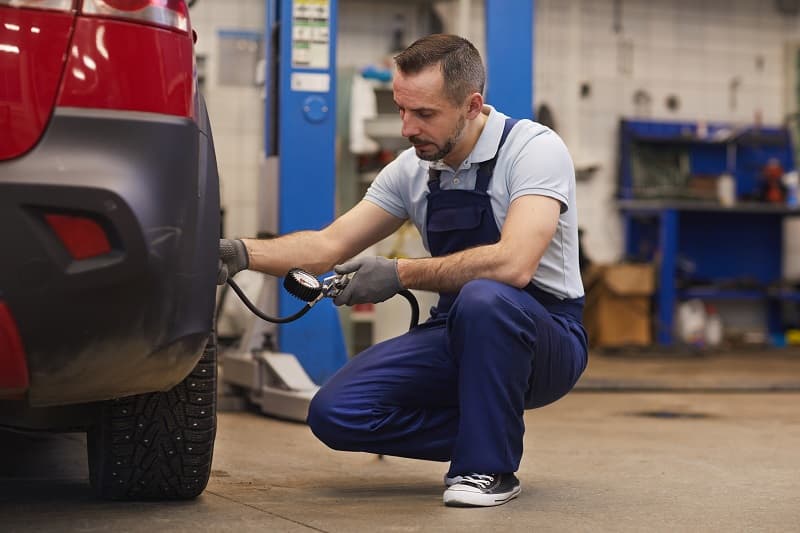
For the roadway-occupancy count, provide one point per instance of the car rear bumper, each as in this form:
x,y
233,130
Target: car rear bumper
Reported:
x,y
135,319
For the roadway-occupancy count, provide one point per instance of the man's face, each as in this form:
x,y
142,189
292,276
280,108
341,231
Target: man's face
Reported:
x,y
431,122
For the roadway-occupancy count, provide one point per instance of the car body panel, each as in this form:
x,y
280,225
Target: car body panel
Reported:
x,y
14,375
33,47
105,68
133,320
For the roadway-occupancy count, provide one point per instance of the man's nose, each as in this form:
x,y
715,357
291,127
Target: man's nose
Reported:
x,y
410,127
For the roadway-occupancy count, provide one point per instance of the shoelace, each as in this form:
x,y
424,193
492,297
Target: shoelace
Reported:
x,y
481,480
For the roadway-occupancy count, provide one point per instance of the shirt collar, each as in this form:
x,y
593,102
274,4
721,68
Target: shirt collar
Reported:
x,y
484,149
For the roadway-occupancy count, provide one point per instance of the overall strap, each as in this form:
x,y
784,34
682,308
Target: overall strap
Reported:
x,y
433,179
486,169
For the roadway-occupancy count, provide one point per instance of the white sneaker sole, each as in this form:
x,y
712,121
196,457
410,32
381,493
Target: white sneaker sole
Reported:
x,y
466,498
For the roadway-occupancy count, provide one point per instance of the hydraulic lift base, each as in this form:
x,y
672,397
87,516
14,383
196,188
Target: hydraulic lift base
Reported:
x,y
275,382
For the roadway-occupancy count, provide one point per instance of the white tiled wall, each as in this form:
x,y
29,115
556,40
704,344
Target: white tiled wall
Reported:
x,y
237,113
366,26
683,47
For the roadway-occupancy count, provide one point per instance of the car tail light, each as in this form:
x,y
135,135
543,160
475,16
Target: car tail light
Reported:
x,y
82,237
13,369
168,13
58,5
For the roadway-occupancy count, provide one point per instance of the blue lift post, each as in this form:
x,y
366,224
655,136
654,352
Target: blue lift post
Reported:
x,y
509,56
306,130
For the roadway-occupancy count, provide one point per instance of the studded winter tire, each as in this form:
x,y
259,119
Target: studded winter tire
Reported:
x,y
157,446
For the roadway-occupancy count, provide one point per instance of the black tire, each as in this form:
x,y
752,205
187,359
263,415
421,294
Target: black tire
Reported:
x,y
158,446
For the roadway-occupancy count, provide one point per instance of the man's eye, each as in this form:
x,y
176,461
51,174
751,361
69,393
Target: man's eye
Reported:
x,y
424,114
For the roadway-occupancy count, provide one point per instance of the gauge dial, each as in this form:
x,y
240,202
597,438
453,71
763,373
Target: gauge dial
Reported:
x,y
302,285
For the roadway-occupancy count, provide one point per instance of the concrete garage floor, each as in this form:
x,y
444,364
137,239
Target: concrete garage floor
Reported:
x,y
714,460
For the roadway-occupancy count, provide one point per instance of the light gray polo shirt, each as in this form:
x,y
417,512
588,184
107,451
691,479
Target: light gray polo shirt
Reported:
x,y
533,160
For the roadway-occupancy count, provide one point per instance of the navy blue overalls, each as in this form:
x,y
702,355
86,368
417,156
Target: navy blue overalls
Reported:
x,y
455,387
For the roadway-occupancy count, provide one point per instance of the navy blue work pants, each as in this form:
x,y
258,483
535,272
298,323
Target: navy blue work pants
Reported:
x,y
455,387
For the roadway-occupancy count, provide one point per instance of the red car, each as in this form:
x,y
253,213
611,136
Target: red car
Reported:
x,y
109,226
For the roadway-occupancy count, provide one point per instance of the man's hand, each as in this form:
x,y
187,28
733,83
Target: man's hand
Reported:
x,y
232,259
374,280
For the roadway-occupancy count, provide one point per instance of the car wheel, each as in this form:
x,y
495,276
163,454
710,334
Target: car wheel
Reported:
x,y
157,445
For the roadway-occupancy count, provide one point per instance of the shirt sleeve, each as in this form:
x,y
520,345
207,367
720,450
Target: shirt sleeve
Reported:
x,y
385,190
542,167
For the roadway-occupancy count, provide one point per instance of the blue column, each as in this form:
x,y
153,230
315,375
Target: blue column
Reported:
x,y
628,232
666,275
306,142
509,56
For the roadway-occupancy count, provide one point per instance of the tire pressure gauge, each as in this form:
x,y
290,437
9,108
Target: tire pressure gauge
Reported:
x,y
307,287
302,285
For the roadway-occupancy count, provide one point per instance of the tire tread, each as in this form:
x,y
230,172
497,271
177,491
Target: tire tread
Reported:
x,y
158,446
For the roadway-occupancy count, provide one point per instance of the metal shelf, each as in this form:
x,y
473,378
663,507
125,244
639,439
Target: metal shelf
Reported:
x,y
697,205
742,241
710,293
748,138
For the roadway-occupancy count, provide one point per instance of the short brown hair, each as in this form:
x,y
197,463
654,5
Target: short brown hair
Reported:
x,y
460,63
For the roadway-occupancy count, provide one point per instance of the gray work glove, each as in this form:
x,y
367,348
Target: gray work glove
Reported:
x,y
232,259
375,279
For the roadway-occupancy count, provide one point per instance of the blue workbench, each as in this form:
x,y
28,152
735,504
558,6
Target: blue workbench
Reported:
x,y
735,252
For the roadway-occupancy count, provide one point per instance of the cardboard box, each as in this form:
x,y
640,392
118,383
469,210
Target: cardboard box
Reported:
x,y
618,309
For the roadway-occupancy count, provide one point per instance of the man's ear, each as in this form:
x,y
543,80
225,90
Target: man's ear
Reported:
x,y
474,105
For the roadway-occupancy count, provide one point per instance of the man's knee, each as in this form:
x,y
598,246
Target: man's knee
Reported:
x,y
340,426
321,418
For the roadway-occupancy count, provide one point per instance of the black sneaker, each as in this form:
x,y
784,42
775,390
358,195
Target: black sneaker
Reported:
x,y
482,490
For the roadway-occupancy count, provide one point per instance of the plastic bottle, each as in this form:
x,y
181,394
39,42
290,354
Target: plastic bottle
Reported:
x,y
791,180
726,190
691,322
713,326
